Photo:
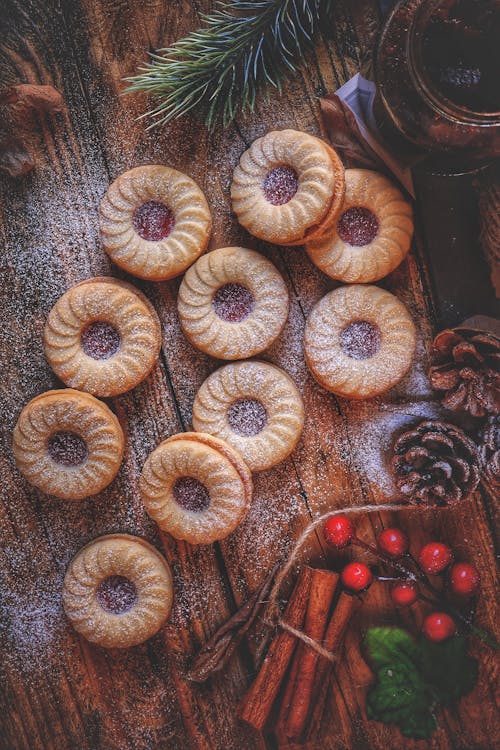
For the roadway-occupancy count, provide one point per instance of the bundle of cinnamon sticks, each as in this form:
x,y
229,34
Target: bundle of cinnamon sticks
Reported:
x,y
294,676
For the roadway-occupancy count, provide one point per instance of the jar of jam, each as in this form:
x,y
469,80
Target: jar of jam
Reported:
x,y
436,70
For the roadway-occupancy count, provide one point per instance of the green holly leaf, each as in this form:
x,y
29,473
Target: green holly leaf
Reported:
x,y
412,678
390,644
448,669
400,693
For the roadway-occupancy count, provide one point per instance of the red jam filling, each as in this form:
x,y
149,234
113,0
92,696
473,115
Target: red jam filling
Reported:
x,y
153,221
280,185
67,449
360,339
100,340
116,594
233,302
358,226
191,494
247,416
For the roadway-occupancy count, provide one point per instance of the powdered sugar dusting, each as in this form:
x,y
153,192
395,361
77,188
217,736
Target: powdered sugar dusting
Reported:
x,y
372,430
233,302
153,221
50,233
116,594
280,185
67,448
358,226
264,535
191,494
360,339
100,340
247,416
32,623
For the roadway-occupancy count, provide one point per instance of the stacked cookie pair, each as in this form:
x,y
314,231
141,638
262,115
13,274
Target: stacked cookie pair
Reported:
x,y
291,188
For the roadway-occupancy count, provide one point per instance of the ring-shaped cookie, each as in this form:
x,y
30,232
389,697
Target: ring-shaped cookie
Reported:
x,y
155,222
288,187
233,303
196,487
68,444
372,234
117,591
102,336
253,406
359,341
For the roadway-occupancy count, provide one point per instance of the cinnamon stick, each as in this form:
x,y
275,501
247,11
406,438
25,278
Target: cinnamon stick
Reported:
x,y
323,587
218,650
258,701
286,700
346,607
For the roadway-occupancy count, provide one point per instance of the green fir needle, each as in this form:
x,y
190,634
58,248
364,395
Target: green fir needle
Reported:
x,y
246,46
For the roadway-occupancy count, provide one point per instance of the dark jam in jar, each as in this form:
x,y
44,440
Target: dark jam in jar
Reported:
x,y
461,54
437,76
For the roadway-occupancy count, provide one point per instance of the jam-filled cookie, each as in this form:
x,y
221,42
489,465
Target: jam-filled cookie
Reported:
x,y
233,303
196,487
288,188
118,591
155,222
102,336
372,234
253,406
68,444
359,341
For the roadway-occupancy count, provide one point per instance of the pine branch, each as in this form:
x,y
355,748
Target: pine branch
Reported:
x,y
217,71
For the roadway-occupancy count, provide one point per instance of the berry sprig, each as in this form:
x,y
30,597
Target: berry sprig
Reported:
x,y
412,583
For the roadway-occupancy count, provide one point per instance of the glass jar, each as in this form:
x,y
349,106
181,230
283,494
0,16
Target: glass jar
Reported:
x,y
436,71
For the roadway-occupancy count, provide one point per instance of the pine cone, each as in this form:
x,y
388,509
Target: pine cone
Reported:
x,y
435,463
467,369
489,449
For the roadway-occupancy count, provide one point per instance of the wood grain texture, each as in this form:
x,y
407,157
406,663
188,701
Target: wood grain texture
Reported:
x,y
57,691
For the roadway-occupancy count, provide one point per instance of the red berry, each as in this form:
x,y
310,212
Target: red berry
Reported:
x,y
404,594
356,576
464,579
434,558
438,627
393,542
338,531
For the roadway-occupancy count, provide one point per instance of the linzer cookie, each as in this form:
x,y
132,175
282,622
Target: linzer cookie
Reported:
x,y
253,406
233,303
118,591
372,233
288,188
103,336
196,487
359,341
155,222
68,444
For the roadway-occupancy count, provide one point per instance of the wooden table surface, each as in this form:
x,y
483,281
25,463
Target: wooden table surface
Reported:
x,y
58,691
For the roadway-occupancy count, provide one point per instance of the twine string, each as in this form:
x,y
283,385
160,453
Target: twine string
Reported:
x,y
274,618
307,640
